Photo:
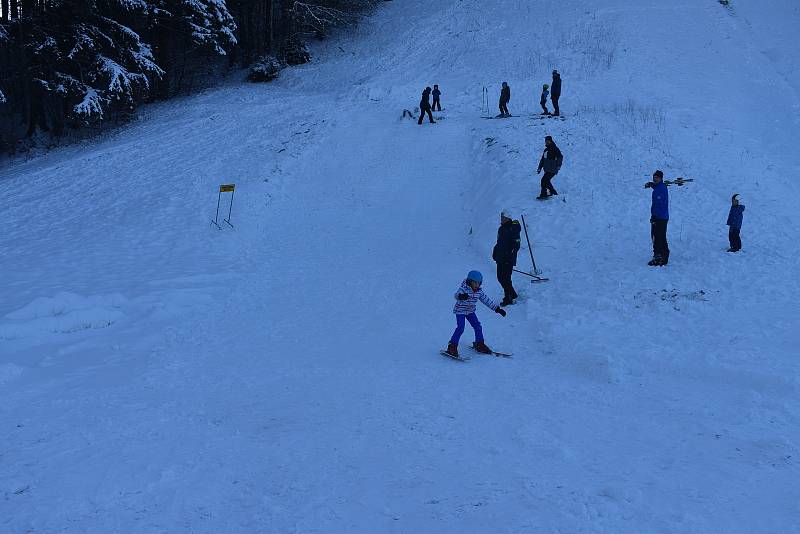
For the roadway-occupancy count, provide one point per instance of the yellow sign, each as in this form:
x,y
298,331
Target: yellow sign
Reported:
x,y
227,188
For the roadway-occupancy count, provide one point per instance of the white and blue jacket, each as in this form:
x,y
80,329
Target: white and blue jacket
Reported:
x,y
467,306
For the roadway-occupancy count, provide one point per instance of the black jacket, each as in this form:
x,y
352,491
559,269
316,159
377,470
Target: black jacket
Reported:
x,y
505,94
436,94
551,159
555,87
505,251
425,102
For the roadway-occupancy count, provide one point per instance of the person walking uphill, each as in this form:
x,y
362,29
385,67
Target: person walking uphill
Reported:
x,y
437,105
735,223
505,98
425,106
551,163
555,92
505,255
659,217
467,297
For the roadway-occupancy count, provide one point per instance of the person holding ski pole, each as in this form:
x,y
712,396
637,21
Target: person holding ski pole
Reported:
x,y
467,296
505,98
425,106
551,163
505,255
437,105
543,100
735,216
555,92
659,217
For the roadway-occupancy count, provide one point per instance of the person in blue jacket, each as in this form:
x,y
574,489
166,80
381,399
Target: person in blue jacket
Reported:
x,y
735,224
543,99
659,217
467,297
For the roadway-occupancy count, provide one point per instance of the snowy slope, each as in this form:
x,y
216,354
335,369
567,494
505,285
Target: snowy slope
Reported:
x,y
161,375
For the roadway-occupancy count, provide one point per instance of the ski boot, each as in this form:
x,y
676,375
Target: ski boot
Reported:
x,y
656,261
481,347
452,350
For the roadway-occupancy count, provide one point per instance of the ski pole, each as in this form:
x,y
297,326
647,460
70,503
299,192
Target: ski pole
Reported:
x,y
530,250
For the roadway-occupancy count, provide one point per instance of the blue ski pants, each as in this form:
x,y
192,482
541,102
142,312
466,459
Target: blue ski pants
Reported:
x,y
476,325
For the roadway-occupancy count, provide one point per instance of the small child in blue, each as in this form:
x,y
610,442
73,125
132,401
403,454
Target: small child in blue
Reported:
x,y
543,100
735,224
467,298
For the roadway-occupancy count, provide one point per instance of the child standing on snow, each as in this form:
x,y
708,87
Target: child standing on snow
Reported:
x,y
735,223
543,100
467,298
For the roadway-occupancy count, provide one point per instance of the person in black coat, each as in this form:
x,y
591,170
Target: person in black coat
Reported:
x,y
505,255
505,98
425,106
551,163
555,92
437,105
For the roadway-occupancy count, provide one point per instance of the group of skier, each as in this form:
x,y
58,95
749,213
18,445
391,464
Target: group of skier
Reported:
x,y
508,234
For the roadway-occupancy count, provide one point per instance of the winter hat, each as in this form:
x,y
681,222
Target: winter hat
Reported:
x,y
555,71
475,276
548,138
506,214
659,174
734,197
545,86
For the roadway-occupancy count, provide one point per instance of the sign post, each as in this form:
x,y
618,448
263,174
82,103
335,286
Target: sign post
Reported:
x,y
224,188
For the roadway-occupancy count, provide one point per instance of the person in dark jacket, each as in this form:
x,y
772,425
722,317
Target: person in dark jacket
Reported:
x,y
659,217
735,223
543,100
437,105
505,255
551,163
425,106
555,92
505,98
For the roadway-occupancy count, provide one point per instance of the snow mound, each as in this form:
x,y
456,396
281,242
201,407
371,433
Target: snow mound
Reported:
x,y
63,314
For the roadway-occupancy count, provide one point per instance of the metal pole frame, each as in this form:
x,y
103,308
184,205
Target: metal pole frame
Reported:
x,y
230,209
216,217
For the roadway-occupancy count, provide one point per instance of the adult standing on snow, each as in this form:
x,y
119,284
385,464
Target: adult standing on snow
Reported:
x,y
505,98
735,223
425,106
659,217
437,105
551,163
555,92
467,297
505,254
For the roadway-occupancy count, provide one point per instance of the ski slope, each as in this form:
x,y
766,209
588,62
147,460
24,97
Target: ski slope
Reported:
x,y
160,375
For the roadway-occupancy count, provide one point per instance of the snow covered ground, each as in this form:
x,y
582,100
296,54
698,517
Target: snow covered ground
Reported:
x,y
160,375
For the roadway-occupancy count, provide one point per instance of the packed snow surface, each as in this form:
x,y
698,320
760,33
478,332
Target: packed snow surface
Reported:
x,y
161,375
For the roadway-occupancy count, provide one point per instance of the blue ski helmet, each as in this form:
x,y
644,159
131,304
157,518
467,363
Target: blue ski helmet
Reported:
x,y
475,276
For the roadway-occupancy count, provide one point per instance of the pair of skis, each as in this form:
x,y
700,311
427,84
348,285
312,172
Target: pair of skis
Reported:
x,y
460,359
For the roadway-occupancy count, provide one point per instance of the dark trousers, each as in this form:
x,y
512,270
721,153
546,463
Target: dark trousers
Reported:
x,y
554,99
504,271
544,108
504,108
733,237
422,113
547,187
437,106
658,231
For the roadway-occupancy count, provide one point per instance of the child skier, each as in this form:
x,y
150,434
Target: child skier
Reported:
x,y
735,223
543,100
467,297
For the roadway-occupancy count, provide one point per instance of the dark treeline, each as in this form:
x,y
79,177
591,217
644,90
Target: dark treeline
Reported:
x,y
82,64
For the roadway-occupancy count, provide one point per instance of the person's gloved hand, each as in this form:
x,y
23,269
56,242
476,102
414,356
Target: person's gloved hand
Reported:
x,y
500,310
463,296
